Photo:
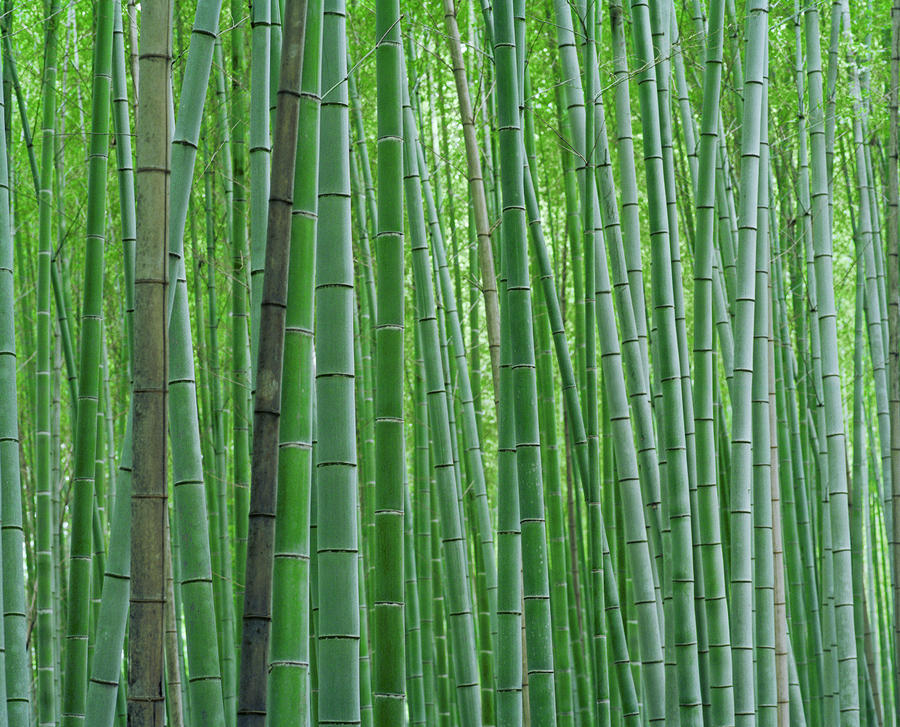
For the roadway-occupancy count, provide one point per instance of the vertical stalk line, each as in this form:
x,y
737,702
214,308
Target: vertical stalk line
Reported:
x,y
219,529
636,382
477,194
125,164
338,626
46,688
240,333
364,201
313,577
763,555
782,640
673,433
893,285
535,572
870,252
838,515
557,546
16,688
859,482
78,607
414,670
369,206
626,458
149,497
205,673
664,26
206,419
457,587
260,153
509,535
289,655
471,441
422,523
365,390
637,367
799,411
624,249
253,680
388,670
193,564
792,496
104,687
361,389
740,504
591,236
149,535
721,675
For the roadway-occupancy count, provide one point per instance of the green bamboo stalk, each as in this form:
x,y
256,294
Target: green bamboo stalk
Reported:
x,y
628,478
338,627
414,672
186,136
46,696
365,390
193,562
365,604
205,682
798,426
105,686
313,585
764,576
78,607
535,573
422,523
721,680
870,246
389,678
673,434
551,474
368,208
859,480
253,684
260,153
175,706
461,620
240,333
834,416
893,286
289,652
15,690
217,496
741,467
628,282
509,536
591,483
471,442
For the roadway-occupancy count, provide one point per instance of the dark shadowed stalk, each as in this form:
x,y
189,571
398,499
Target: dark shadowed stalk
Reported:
x,y
252,687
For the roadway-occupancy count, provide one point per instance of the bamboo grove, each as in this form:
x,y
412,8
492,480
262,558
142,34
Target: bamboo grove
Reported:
x,y
450,363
